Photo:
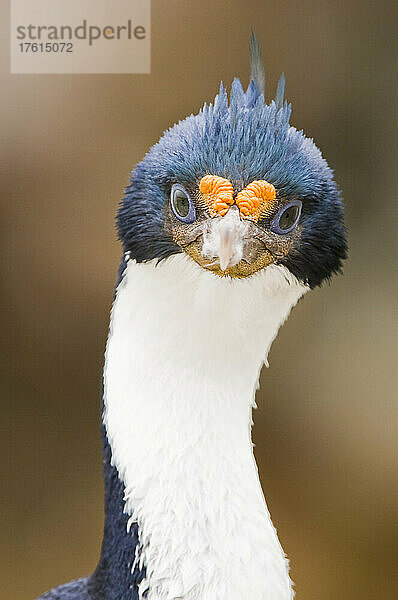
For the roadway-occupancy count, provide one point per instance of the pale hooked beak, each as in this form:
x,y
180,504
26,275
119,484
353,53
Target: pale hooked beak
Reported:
x,y
226,246
223,241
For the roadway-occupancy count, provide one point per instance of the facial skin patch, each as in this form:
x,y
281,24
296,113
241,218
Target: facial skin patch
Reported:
x,y
218,194
254,201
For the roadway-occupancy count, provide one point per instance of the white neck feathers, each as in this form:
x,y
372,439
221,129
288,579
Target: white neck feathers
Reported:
x,y
183,358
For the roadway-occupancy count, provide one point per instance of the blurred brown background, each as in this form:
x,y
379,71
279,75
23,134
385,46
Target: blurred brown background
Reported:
x,y
326,427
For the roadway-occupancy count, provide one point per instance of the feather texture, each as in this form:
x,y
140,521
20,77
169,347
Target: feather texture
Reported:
x,y
257,73
280,92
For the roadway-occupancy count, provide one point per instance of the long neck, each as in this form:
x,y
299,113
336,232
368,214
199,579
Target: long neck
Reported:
x,y
183,359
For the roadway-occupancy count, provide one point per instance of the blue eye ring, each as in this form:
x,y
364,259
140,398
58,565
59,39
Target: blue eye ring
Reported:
x,y
287,218
181,204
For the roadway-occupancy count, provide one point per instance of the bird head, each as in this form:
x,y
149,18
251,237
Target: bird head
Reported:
x,y
237,189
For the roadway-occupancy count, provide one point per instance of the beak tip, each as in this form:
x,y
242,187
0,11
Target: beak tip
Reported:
x,y
224,264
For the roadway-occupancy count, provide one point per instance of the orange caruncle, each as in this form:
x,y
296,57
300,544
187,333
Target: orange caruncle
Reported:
x,y
255,199
218,193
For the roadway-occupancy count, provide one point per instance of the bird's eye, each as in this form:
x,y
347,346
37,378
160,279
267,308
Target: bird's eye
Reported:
x,y
182,204
287,218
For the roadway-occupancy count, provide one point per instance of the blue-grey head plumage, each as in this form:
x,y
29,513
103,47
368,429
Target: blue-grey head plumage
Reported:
x,y
257,73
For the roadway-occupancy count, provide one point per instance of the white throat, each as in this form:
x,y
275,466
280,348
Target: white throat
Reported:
x,y
183,359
